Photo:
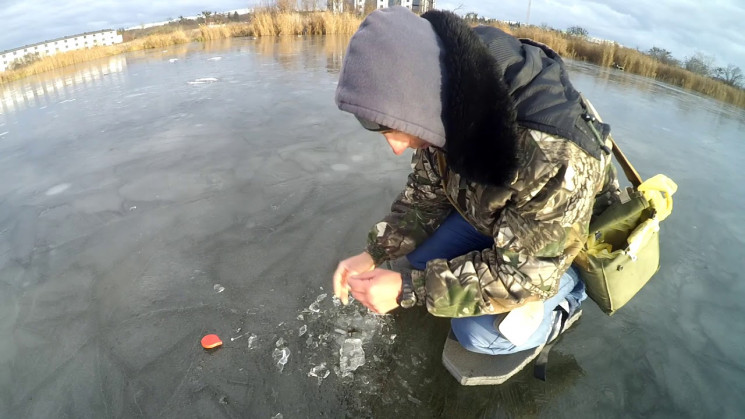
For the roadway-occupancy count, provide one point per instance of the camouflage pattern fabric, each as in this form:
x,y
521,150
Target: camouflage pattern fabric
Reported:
x,y
539,222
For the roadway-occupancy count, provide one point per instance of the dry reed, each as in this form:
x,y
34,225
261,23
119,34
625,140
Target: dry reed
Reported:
x,y
610,54
270,22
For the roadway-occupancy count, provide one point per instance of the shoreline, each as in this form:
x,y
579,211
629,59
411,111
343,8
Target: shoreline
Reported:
x,y
273,23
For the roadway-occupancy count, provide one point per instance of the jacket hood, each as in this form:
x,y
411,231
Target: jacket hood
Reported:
x,y
392,74
543,96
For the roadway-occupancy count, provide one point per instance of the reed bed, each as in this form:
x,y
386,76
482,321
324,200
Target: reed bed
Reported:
x,y
610,54
214,32
271,23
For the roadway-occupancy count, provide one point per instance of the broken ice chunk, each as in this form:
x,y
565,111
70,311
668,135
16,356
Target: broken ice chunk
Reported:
x,y
320,372
280,357
252,341
314,307
321,298
351,355
280,342
302,330
218,288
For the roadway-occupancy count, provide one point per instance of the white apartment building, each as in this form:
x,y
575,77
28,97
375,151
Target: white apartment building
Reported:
x,y
70,43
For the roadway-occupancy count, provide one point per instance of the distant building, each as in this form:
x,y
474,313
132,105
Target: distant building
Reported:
x,y
422,6
69,43
419,6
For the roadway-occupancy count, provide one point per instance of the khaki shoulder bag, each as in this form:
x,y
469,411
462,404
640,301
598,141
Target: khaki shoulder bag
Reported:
x,y
622,252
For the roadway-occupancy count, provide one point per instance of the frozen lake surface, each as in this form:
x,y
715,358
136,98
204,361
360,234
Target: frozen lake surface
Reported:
x,y
153,198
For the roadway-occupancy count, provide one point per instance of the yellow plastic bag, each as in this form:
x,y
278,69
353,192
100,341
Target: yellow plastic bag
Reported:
x,y
659,190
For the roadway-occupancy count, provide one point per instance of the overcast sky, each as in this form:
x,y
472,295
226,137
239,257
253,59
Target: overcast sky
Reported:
x,y
714,27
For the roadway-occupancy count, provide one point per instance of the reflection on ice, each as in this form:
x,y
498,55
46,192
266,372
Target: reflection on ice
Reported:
x,y
45,89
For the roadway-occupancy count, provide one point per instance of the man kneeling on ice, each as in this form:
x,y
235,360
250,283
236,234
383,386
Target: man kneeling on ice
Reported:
x,y
506,168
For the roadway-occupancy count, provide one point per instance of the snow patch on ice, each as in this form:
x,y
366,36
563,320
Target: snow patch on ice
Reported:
x,y
203,80
58,189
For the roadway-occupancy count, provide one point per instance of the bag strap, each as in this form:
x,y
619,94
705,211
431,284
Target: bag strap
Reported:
x,y
631,174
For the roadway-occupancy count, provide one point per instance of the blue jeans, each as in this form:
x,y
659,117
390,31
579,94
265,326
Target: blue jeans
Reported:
x,y
456,237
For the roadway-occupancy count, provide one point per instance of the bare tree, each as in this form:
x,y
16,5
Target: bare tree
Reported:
x,y
662,55
578,31
699,63
731,75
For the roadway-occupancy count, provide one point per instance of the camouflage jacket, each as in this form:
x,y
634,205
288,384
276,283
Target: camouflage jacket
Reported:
x,y
539,222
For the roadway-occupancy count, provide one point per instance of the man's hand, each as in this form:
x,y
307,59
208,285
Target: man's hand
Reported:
x,y
377,290
351,266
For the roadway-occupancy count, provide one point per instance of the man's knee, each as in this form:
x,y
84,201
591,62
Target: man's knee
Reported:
x,y
477,334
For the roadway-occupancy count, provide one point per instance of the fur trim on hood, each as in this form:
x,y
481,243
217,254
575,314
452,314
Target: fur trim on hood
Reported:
x,y
478,111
